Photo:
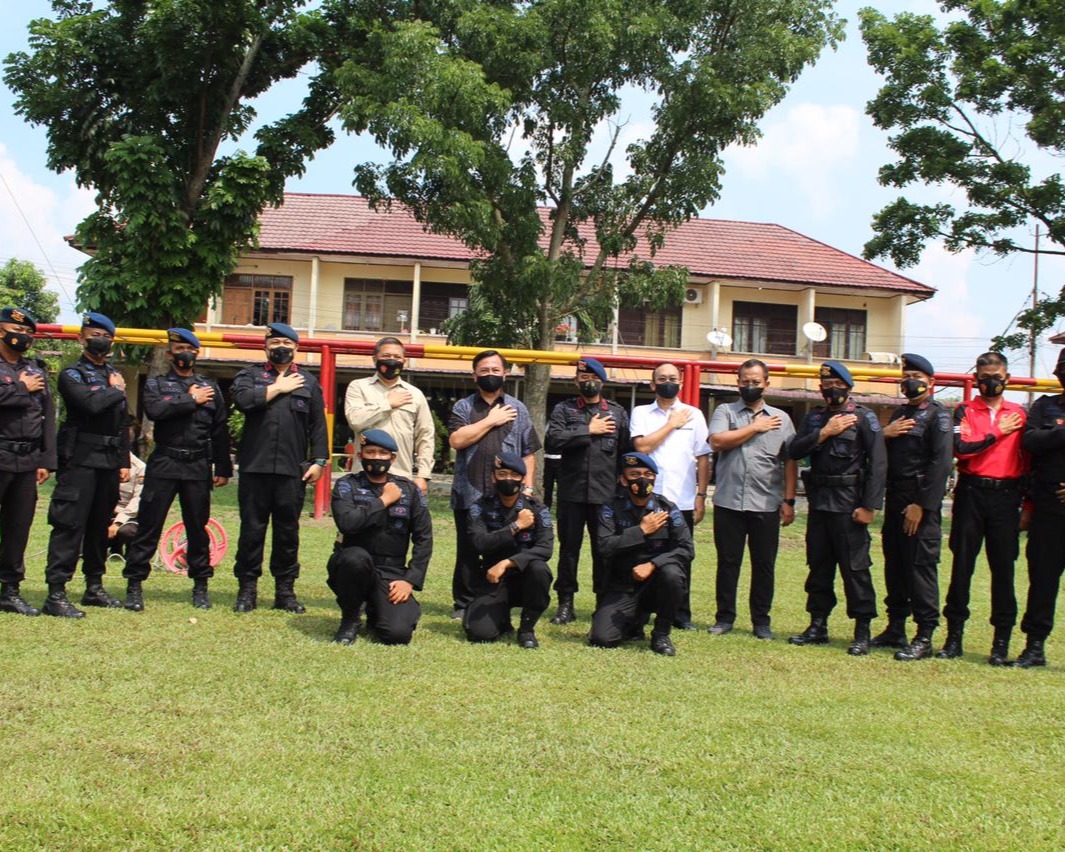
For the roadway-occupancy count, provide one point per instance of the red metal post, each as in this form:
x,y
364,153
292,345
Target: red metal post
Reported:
x,y
327,377
967,390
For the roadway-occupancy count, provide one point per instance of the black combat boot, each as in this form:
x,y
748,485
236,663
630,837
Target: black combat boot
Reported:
x,y
860,646
1000,647
527,633
663,645
893,636
57,604
952,647
97,595
348,631
1032,655
815,634
134,596
920,648
285,597
12,601
247,596
565,613
200,598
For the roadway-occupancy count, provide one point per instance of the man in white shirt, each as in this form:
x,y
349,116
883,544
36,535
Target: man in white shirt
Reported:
x,y
674,435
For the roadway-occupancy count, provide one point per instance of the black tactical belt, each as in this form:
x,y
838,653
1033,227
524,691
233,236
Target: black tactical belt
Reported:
x,y
989,482
181,454
902,481
98,440
824,480
20,448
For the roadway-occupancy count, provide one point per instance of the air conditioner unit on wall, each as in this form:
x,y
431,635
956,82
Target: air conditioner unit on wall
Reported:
x,y
693,296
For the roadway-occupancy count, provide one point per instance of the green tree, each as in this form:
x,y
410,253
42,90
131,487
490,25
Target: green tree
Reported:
x,y
140,100
22,285
489,109
958,98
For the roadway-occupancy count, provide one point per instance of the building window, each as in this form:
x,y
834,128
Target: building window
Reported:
x,y
642,328
380,306
256,299
440,302
762,328
846,333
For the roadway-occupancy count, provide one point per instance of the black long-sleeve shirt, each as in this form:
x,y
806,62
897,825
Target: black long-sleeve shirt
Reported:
x,y
919,462
27,420
623,544
589,469
493,539
95,432
1044,438
181,424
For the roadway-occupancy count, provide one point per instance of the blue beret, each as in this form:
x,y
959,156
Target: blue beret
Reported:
x,y
378,438
182,335
590,365
836,370
95,320
510,461
917,362
279,329
638,460
19,316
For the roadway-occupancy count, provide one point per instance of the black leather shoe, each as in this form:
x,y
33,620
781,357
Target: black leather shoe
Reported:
x,y
200,598
458,613
762,631
97,595
247,596
1032,655
919,649
348,631
893,636
860,646
12,601
134,596
815,634
684,625
720,628
636,634
57,604
285,599
661,644
565,614
1000,648
952,648
527,640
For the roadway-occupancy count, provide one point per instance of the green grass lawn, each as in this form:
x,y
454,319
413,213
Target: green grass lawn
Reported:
x,y
125,730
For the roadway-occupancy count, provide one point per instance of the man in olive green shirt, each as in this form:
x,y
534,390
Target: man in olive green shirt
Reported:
x,y
384,401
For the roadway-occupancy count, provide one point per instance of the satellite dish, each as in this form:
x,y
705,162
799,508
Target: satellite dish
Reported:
x,y
719,338
814,331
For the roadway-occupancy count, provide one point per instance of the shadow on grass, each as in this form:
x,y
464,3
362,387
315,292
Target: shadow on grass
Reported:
x,y
319,628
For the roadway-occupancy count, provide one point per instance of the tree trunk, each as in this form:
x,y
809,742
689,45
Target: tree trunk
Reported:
x,y
537,383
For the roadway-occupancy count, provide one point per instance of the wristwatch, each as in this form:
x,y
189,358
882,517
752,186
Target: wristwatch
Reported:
x,y
789,502
527,490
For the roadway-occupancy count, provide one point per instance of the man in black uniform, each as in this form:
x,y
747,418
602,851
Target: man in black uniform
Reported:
x,y
920,448
27,450
590,433
1044,438
284,415
93,455
379,516
844,487
190,437
513,536
644,540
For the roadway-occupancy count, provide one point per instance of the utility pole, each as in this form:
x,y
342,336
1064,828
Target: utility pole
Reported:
x,y
1035,300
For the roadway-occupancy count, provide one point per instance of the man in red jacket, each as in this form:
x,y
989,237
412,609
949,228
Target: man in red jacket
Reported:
x,y
987,504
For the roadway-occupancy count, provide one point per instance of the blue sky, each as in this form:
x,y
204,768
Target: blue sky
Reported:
x,y
814,171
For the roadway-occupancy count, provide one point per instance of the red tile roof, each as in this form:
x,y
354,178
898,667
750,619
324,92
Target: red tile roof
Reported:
x,y
718,248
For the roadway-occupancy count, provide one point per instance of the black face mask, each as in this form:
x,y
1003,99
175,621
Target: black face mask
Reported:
x,y
667,390
590,390
18,340
508,487
281,355
98,347
835,397
642,487
376,467
913,388
184,360
992,386
751,393
388,368
490,383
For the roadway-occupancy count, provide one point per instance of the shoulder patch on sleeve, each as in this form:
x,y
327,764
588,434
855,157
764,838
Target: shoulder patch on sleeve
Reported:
x,y
676,518
343,488
871,418
420,497
545,517
476,511
73,374
606,511
945,422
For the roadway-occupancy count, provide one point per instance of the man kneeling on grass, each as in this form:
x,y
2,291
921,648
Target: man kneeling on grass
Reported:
x,y
379,515
646,544
513,537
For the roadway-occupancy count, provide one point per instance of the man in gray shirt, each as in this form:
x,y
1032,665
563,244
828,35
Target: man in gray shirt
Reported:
x,y
755,494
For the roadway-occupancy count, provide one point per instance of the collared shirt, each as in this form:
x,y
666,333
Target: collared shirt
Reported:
x,y
366,406
750,477
980,446
676,455
589,469
129,492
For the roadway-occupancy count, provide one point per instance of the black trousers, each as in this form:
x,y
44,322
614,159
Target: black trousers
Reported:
x,y
990,518
80,514
760,532
266,498
911,563
355,580
18,500
467,561
124,535
488,615
550,478
1046,561
573,518
833,539
156,499
618,613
